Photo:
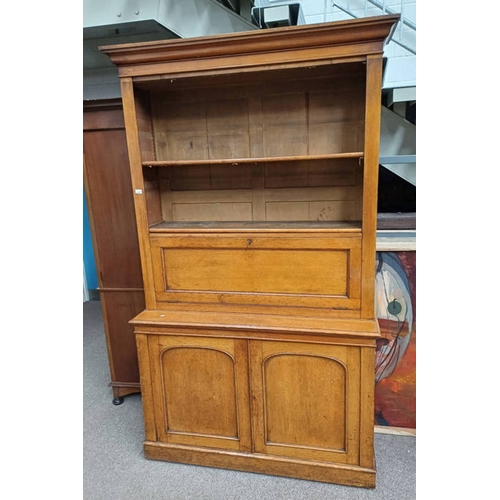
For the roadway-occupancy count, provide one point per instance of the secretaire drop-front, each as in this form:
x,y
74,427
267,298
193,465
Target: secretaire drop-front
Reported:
x,y
254,165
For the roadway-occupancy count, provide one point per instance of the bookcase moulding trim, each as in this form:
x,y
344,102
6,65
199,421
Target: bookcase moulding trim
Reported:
x,y
342,33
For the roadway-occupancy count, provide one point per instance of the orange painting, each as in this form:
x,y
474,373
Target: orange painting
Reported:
x,y
395,365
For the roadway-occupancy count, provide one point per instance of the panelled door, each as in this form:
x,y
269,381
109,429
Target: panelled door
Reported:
x,y
305,400
200,391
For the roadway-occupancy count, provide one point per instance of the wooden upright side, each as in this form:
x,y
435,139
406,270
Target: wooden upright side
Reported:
x,y
370,183
138,189
146,388
367,407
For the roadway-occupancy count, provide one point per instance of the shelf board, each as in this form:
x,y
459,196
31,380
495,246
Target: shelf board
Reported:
x,y
237,161
246,226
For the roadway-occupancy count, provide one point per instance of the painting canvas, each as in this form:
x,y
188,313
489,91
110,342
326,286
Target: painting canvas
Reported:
x,y
395,364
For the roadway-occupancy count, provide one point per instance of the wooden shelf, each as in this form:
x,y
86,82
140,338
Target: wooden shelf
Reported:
x,y
232,227
237,161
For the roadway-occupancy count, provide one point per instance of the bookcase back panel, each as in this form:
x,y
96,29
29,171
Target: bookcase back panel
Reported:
x,y
212,211
312,174
144,124
289,119
281,191
199,178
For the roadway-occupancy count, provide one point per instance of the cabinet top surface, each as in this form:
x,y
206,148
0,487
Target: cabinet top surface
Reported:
x,y
206,320
371,31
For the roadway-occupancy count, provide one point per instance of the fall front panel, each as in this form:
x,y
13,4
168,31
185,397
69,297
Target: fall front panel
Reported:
x,y
256,269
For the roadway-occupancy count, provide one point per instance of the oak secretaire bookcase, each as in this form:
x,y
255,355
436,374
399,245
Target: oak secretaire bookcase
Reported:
x,y
254,165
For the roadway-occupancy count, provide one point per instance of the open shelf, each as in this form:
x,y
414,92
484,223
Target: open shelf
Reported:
x,y
236,161
223,226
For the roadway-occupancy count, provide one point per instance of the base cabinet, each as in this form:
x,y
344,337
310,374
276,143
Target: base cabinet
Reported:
x,y
257,403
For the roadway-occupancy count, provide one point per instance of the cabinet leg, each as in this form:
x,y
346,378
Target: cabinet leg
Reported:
x,y
121,390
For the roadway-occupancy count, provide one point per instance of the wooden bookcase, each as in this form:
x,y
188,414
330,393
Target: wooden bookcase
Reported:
x,y
254,166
